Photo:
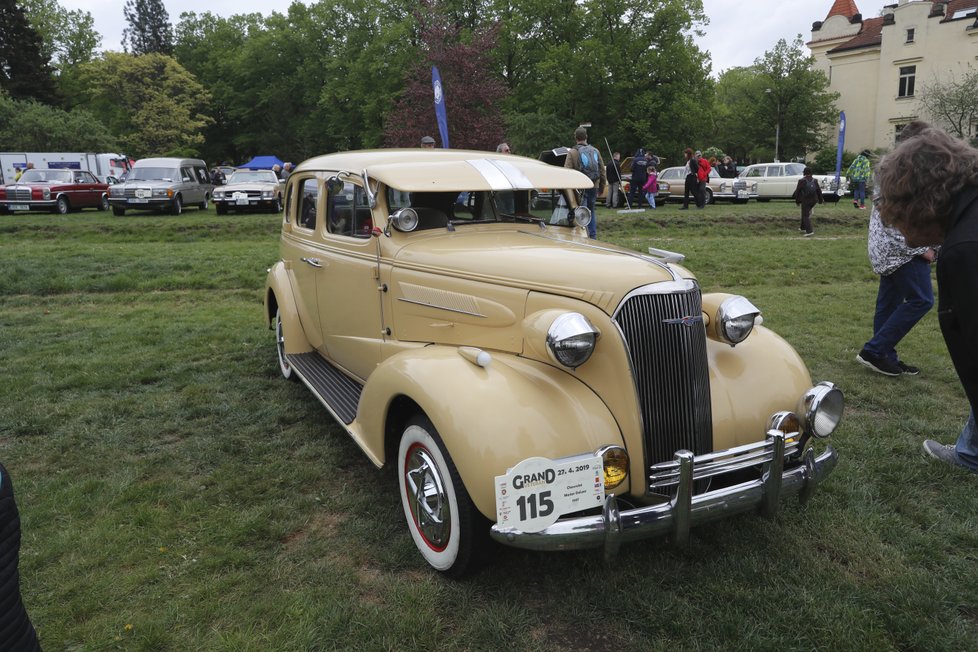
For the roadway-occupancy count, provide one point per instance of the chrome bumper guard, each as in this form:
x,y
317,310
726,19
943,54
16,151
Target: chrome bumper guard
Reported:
x,y
684,510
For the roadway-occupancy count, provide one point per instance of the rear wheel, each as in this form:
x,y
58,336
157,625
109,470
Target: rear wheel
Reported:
x,y
103,205
447,529
203,205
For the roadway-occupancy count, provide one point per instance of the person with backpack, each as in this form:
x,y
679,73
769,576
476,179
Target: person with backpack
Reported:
x,y
587,159
651,186
640,174
807,194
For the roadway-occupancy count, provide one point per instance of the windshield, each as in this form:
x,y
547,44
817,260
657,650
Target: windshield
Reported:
x,y
154,174
438,208
253,176
46,176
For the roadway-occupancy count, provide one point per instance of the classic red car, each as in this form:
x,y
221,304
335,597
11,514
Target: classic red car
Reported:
x,y
57,191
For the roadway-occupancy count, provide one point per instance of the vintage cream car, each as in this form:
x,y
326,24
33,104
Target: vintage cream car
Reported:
x,y
769,181
529,385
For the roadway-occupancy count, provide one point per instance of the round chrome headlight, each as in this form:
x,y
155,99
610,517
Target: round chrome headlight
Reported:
x,y
735,319
821,408
405,219
571,339
582,216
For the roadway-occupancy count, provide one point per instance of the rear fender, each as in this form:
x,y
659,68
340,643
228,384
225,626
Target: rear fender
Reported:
x,y
489,418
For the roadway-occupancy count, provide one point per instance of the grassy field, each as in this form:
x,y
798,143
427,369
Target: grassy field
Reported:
x,y
176,494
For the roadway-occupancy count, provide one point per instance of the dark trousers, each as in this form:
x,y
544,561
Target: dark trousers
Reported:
x,y
16,630
692,187
635,192
904,297
806,217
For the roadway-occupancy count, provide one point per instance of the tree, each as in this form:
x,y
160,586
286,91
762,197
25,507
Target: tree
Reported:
x,y
952,104
795,110
26,125
150,101
149,28
473,95
68,38
25,73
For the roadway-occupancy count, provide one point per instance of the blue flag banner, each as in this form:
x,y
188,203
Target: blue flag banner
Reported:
x,y
842,142
440,106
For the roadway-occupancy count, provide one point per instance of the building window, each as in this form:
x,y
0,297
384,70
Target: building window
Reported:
x,y
910,34
907,76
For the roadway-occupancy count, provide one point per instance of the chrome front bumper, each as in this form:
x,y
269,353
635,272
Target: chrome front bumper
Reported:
x,y
675,518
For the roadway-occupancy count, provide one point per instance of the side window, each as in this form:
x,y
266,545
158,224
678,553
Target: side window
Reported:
x,y
187,174
201,175
308,195
774,171
349,212
755,172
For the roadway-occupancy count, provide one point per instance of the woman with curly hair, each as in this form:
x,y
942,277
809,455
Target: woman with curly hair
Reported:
x,y
929,192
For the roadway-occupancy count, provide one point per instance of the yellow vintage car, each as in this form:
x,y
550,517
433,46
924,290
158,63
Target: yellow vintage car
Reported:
x,y
530,386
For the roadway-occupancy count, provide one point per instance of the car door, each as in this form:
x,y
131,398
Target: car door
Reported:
x,y
302,251
88,190
755,174
349,277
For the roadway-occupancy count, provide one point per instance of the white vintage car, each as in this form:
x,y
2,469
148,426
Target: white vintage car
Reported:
x,y
779,180
529,385
248,190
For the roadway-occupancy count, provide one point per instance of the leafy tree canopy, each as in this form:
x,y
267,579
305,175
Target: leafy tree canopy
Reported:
x,y
150,101
149,27
68,38
26,125
952,103
25,71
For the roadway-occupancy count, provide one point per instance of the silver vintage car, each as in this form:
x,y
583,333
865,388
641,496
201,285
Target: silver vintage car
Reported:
x,y
250,189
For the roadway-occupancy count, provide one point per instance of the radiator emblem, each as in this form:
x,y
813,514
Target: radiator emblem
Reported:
x,y
687,321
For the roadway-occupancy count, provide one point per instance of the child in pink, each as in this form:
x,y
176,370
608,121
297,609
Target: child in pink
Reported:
x,y
651,186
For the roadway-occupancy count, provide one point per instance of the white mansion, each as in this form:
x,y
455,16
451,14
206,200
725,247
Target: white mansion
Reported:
x,y
877,64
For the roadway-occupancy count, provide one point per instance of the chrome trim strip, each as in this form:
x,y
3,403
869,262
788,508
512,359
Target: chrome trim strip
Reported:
x,y
661,520
433,305
501,175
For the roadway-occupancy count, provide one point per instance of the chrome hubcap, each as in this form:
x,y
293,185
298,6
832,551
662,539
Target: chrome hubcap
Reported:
x,y
429,501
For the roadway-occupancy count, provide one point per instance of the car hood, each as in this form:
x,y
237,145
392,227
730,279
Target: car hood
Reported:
x,y
544,261
248,186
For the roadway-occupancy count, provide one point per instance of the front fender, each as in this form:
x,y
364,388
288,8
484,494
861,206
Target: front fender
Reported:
x,y
279,297
489,418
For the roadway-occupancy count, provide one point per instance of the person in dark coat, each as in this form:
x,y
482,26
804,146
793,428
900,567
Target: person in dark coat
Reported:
x,y
691,187
16,630
807,193
640,174
613,172
929,192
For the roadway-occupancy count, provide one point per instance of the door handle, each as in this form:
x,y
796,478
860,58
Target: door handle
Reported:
x,y
312,261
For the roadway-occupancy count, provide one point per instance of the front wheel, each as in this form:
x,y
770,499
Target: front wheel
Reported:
x,y
63,207
176,207
277,206
708,196
103,205
447,529
283,362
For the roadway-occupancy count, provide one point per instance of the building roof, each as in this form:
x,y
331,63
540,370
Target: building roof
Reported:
x,y
954,6
870,35
846,8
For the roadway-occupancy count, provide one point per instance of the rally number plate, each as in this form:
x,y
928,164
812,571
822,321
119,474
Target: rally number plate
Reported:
x,y
532,495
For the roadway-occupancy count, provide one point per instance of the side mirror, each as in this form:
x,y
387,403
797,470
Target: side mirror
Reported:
x,y
334,185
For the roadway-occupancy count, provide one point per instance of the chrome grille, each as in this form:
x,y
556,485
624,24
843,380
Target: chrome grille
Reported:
x,y
667,345
19,194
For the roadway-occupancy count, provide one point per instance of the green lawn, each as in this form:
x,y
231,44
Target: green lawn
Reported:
x,y
176,494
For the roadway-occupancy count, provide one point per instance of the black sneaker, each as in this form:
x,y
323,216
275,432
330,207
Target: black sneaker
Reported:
x,y
879,364
908,369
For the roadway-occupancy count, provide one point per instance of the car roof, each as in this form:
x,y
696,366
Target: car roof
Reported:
x,y
419,170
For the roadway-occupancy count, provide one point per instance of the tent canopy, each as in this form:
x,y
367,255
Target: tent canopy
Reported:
x,y
262,163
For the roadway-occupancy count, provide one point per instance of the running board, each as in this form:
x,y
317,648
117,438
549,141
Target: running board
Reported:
x,y
336,390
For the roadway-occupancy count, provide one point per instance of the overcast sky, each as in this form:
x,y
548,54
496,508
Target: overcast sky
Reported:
x,y
739,30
